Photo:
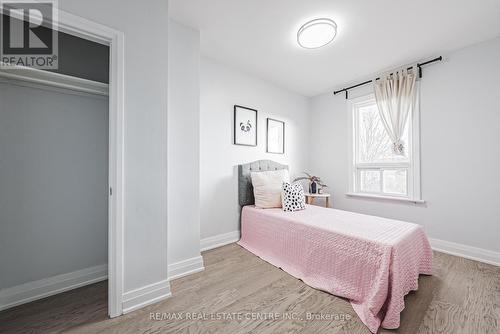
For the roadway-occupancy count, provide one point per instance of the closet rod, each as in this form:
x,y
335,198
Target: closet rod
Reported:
x,y
419,65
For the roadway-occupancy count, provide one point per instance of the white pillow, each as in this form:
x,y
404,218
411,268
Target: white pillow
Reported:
x,y
267,187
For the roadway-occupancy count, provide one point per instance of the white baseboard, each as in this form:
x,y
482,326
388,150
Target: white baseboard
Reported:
x,y
468,252
147,295
30,291
185,267
219,240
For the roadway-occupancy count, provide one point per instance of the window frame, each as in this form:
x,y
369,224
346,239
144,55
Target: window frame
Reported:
x,y
412,167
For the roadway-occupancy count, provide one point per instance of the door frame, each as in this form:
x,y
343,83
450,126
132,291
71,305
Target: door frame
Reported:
x,y
81,27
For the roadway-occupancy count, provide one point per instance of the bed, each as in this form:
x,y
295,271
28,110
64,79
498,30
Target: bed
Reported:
x,y
374,262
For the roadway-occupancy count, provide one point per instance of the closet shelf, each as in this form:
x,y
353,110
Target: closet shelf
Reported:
x,y
33,75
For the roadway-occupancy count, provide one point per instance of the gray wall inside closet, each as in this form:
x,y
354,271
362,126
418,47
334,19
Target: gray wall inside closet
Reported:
x,y
54,173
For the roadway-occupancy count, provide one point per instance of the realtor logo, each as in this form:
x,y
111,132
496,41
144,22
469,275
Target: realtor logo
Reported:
x,y
28,34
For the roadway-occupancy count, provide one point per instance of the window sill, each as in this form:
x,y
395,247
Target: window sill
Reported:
x,y
388,198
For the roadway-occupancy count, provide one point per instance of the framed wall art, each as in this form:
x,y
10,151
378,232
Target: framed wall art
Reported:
x,y
245,126
275,136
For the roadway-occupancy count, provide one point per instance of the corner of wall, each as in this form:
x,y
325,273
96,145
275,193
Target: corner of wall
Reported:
x,y
185,267
146,295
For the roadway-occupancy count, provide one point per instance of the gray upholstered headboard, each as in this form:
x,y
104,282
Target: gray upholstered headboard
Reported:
x,y
245,189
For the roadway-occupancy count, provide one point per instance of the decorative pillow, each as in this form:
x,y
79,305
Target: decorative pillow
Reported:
x,y
267,187
293,197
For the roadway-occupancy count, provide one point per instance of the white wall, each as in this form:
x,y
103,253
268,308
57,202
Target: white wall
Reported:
x,y
183,144
460,128
222,88
53,182
145,27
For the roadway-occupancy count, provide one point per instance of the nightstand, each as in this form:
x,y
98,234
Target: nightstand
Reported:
x,y
310,198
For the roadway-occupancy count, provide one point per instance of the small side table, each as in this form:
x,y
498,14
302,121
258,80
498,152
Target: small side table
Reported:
x,y
311,197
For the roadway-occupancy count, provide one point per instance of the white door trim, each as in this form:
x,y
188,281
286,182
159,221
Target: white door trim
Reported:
x,y
97,32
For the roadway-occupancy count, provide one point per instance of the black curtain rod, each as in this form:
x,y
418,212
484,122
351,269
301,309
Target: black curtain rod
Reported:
x,y
419,65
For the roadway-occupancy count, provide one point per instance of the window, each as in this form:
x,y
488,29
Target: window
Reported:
x,y
375,170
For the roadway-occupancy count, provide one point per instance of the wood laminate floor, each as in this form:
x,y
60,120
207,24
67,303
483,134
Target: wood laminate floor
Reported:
x,y
462,297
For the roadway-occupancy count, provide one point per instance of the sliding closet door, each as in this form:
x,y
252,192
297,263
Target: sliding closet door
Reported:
x,y
53,182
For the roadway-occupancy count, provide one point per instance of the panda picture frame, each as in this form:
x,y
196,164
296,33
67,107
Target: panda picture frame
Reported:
x,y
245,126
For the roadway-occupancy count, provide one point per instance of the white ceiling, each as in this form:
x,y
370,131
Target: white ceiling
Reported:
x,y
259,36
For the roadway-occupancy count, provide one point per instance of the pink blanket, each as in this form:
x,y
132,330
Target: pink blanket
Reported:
x,y
374,262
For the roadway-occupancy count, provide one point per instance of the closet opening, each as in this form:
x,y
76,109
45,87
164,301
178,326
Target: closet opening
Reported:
x,y
60,160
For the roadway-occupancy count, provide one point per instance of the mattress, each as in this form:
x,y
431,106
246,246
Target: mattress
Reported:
x,y
372,261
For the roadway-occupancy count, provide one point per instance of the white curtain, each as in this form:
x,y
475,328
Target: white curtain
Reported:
x,y
395,94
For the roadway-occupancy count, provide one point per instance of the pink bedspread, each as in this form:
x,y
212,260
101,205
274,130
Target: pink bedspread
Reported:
x,y
374,262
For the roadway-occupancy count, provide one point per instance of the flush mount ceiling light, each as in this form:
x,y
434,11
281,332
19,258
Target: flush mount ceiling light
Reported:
x,y
316,33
